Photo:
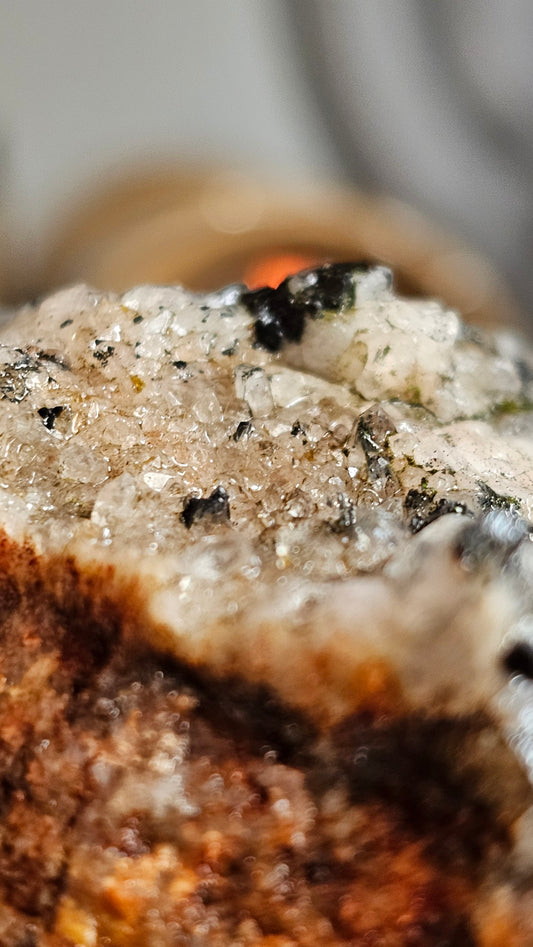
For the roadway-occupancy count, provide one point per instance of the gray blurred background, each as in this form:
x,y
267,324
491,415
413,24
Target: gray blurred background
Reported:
x,y
429,103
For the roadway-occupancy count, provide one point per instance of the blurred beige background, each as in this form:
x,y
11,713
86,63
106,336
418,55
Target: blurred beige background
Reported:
x,y
87,86
428,104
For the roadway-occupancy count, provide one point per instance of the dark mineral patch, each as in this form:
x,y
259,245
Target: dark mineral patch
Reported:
x,y
243,429
373,431
298,429
49,415
277,319
422,508
13,377
280,314
58,360
103,352
490,500
216,506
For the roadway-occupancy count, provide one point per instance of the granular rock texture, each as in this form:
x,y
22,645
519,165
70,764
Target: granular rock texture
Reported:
x,y
266,620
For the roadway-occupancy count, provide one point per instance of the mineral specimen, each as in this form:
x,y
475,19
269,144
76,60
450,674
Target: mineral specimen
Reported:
x,y
267,620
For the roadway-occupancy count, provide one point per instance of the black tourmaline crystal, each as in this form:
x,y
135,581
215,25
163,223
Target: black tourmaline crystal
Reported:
x,y
280,314
216,505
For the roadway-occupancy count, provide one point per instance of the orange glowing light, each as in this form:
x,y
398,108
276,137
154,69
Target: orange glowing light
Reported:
x,y
272,270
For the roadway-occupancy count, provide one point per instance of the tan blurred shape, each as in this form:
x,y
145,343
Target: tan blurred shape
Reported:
x,y
209,227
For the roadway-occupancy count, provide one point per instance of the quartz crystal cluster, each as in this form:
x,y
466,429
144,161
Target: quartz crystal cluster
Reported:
x,y
312,506
163,430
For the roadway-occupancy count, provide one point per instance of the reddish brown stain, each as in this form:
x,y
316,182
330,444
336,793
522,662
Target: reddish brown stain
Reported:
x,y
283,837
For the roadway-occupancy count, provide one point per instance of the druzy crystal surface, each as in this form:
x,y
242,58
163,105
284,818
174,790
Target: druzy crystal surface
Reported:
x,y
316,500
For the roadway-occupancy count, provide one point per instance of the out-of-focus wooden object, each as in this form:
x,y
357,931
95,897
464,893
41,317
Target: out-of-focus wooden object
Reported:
x,y
205,228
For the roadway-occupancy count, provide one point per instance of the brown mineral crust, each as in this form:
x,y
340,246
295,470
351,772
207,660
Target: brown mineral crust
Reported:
x,y
56,629
144,802
255,843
